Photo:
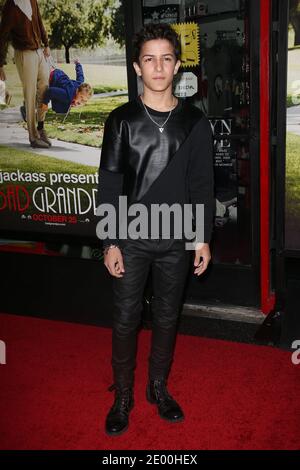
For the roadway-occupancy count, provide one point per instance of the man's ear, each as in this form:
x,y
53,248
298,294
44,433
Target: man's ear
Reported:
x,y
177,65
137,69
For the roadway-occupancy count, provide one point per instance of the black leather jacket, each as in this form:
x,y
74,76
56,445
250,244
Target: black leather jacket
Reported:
x,y
134,146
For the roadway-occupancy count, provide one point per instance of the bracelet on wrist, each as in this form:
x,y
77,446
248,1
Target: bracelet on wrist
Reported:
x,y
108,247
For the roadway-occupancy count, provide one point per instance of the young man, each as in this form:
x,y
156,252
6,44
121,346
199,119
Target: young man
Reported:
x,y
157,149
22,23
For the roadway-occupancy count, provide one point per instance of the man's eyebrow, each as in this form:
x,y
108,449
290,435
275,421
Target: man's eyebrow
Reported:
x,y
153,55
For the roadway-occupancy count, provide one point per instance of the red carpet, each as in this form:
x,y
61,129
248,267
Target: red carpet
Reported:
x,y
54,392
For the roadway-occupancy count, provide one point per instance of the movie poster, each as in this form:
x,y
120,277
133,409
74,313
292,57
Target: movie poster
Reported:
x,y
50,142
37,201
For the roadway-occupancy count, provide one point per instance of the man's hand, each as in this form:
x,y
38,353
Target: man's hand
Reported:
x,y
113,260
2,74
76,61
201,250
47,52
44,107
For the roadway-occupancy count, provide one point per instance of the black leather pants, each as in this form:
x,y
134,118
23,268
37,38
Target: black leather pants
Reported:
x,y
169,262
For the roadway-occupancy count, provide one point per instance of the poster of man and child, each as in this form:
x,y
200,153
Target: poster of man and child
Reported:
x,y
62,70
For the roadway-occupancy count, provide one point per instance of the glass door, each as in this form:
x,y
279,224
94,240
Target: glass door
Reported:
x,y
218,52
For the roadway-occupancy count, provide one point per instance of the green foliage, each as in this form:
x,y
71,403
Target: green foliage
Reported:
x,y
289,101
78,24
105,89
117,28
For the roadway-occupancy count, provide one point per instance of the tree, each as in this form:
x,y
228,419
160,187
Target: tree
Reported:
x,y
117,28
295,19
72,23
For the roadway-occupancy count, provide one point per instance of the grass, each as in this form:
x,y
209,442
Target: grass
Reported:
x,y
105,89
84,125
27,162
293,175
12,159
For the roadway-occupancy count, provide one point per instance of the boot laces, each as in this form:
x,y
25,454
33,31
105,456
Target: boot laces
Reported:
x,y
123,397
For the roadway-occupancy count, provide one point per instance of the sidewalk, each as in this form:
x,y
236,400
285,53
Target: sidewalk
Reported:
x,y
13,135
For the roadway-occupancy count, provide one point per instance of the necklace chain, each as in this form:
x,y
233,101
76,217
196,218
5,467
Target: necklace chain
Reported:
x,y
160,126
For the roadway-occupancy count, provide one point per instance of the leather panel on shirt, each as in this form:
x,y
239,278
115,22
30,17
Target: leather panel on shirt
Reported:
x,y
133,144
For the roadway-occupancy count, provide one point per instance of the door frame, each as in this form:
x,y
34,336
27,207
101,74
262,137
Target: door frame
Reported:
x,y
279,70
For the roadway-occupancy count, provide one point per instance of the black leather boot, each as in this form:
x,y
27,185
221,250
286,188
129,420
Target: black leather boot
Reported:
x,y
168,408
117,418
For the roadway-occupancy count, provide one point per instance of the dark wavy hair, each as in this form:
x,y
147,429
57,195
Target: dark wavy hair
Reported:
x,y
155,31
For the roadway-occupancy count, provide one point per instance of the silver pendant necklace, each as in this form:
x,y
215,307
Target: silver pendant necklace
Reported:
x,y
160,126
